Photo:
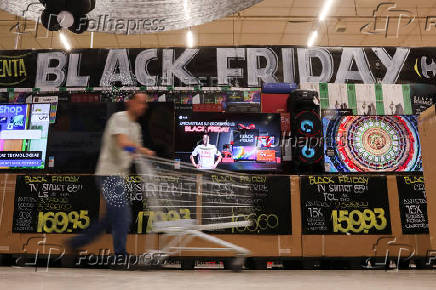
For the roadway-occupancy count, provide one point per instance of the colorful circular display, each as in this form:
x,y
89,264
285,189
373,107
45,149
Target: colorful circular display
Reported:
x,y
375,144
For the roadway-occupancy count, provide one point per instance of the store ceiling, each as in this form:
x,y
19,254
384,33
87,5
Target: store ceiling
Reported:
x,y
271,22
166,14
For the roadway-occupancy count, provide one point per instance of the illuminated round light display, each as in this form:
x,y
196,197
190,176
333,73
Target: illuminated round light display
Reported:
x,y
308,123
115,191
375,144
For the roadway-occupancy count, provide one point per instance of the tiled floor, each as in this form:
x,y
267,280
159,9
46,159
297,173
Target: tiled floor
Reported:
x,y
83,279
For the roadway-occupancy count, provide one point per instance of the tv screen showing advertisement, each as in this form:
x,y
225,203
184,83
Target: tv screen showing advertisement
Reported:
x,y
229,141
23,135
75,138
372,144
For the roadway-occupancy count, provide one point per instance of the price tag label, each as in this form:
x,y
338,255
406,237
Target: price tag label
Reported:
x,y
55,204
147,218
174,198
357,221
413,204
345,204
62,222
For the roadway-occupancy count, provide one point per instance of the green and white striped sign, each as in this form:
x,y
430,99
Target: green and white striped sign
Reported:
x,y
364,99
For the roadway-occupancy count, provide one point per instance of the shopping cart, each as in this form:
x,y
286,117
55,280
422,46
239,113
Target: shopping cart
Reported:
x,y
186,212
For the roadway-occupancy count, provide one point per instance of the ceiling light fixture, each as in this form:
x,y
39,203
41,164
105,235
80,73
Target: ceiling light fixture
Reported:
x,y
68,14
313,36
91,45
189,39
325,10
64,41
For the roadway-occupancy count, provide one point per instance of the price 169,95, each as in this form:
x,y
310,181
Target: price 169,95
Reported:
x,y
62,222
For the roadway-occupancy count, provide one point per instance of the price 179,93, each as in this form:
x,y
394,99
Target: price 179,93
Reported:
x,y
59,222
153,216
356,221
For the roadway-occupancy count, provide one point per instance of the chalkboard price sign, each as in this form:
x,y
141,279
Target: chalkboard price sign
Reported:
x,y
263,200
164,198
55,204
345,204
421,103
413,204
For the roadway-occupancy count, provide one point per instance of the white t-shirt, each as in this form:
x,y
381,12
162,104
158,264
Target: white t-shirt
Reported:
x,y
206,155
113,159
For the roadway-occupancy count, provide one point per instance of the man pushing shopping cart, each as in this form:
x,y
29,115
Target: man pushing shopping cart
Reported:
x,y
122,137
122,153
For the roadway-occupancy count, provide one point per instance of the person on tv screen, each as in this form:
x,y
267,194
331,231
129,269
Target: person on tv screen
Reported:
x,y
206,154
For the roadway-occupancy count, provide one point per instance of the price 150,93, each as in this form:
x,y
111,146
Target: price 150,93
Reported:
x,y
357,221
59,222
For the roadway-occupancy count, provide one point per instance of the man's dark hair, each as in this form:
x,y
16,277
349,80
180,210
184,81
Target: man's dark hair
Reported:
x,y
132,95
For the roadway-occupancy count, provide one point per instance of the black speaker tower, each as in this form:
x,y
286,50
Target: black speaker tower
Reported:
x,y
306,132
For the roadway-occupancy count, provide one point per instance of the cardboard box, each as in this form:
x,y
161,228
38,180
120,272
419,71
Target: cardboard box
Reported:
x,y
295,245
427,133
274,103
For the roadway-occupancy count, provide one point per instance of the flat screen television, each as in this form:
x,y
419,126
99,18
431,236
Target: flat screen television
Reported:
x,y
230,141
372,144
75,138
23,135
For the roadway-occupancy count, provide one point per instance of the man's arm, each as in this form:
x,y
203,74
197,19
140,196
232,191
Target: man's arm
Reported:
x,y
146,151
194,153
193,162
124,141
218,160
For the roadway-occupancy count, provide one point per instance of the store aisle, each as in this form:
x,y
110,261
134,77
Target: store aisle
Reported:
x,y
83,279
